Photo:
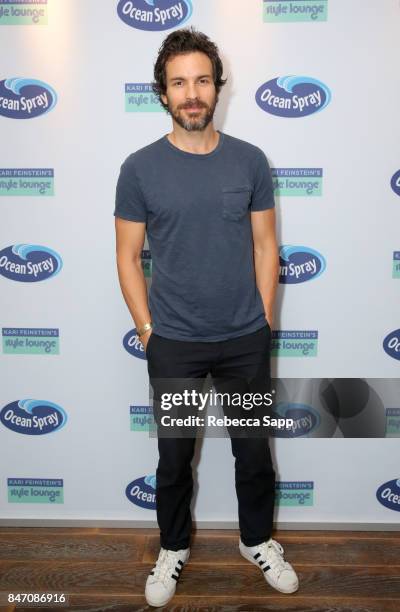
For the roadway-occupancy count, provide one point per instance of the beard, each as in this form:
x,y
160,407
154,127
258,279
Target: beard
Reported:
x,y
199,120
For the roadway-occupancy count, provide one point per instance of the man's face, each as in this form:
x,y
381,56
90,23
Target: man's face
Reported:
x,y
190,95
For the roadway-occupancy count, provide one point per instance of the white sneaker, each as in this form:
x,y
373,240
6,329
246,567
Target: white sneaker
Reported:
x,y
162,580
268,556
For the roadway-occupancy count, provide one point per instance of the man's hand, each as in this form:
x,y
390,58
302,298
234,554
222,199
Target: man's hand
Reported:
x,y
144,338
269,318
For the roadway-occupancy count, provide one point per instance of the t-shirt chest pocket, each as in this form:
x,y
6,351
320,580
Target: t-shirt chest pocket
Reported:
x,y
235,202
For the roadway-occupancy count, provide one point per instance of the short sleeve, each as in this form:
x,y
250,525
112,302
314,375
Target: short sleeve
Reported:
x,y
263,193
129,200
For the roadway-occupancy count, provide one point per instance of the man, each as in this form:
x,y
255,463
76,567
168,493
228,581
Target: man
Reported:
x,y
206,201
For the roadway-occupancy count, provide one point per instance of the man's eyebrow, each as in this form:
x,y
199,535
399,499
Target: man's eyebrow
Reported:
x,y
201,76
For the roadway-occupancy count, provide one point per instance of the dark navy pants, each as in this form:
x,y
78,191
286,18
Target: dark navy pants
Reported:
x,y
242,362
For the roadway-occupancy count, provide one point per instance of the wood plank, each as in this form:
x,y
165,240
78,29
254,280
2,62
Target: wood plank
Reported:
x,y
288,603
129,578
316,551
49,530
278,534
75,546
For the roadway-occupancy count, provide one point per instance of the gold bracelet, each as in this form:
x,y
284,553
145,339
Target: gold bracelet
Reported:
x,y
144,329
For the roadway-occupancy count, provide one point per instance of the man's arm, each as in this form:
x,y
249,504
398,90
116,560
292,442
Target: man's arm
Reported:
x,y
129,244
266,258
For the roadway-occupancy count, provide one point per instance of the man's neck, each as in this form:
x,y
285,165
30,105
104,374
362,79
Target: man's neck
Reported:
x,y
201,142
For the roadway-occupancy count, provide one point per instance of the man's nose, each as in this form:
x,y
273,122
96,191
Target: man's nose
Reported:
x,y
191,91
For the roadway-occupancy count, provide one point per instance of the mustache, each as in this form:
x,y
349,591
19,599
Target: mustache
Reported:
x,y
193,105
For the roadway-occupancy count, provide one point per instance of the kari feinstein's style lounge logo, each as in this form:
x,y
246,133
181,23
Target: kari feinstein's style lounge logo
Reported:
x,y
23,12
388,495
142,418
391,344
295,10
154,15
147,263
140,98
294,493
142,492
35,490
31,340
396,265
304,182
392,423
25,98
299,264
293,96
26,182
29,263
294,343
33,417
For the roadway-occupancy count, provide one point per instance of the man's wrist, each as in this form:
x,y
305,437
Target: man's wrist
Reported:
x,y
144,328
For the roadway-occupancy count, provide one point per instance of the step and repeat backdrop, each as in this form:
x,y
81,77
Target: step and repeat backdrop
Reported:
x,y
313,84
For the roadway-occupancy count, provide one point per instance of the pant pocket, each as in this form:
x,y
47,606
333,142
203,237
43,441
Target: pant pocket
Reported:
x,y
149,344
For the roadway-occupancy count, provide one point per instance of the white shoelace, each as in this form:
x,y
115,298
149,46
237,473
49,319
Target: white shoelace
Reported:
x,y
165,566
272,552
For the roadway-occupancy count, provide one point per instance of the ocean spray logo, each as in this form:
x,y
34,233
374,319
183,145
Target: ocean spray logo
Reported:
x,y
35,490
26,181
33,417
299,264
133,345
388,494
31,341
142,418
294,493
25,98
140,98
154,15
29,263
391,344
276,11
23,12
392,422
142,492
303,182
293,96
395,182
396,265
305,420
294,343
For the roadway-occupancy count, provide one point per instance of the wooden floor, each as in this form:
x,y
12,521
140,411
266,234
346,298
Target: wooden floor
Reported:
x,y
106,569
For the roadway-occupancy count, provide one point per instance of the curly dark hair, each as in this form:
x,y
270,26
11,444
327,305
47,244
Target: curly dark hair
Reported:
x,y
180,42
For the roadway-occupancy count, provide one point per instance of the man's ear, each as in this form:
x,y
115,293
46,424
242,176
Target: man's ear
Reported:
x,y
164,99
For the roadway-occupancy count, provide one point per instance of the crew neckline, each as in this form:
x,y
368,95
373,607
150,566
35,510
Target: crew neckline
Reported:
x,y
196,155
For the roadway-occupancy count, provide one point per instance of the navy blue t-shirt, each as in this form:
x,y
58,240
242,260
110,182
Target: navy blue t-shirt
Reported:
x,y
197,213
